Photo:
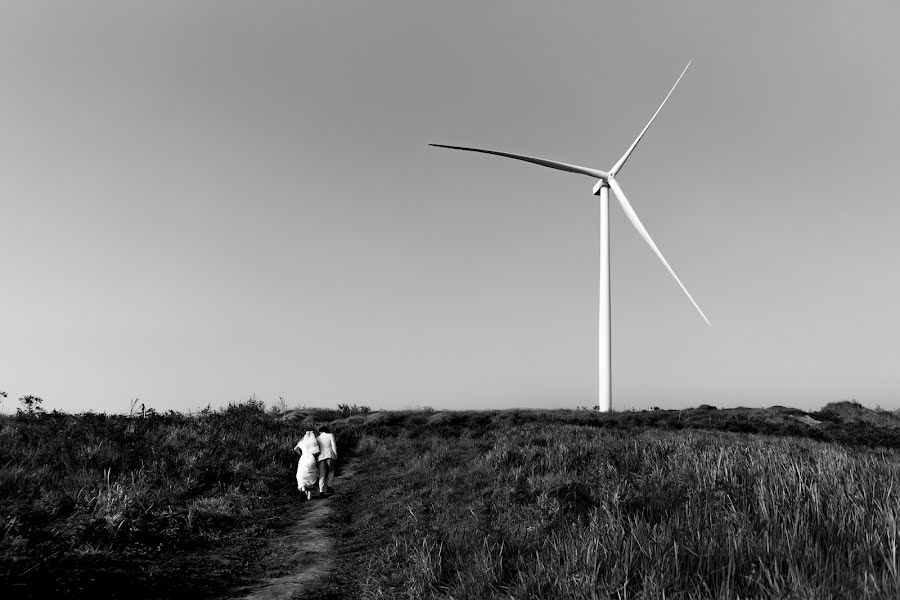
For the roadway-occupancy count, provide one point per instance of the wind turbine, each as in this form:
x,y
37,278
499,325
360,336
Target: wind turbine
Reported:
x,y
606,180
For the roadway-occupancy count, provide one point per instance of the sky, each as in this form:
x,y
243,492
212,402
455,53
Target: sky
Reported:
x,y
203,201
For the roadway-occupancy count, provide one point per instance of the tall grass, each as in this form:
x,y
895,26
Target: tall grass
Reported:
x,y
491,504
79,489
560,511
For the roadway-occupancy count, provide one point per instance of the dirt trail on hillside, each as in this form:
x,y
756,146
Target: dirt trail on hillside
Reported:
x,y
303,555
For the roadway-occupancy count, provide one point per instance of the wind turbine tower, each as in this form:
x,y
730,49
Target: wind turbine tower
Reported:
x,y
605,181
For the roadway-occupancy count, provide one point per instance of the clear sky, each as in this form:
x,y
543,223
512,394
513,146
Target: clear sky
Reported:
x,y
204,200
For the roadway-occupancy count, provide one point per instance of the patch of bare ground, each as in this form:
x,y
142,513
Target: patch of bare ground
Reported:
x,y
313,557
808,420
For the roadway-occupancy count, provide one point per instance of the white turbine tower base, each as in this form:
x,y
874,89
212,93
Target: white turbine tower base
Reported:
x,y
606,181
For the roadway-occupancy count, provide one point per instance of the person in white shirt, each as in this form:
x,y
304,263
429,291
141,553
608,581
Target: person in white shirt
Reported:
x,y
327,457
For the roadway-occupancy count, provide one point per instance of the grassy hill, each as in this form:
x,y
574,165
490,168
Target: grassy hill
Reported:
x,y
730,503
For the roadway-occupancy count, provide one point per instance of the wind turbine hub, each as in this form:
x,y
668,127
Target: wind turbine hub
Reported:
x,y
600,185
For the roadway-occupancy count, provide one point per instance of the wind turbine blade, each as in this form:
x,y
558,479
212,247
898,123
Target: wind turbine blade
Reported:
x,y
632,216
634,144
538,161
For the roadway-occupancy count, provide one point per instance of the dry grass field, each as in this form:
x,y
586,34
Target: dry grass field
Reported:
x,y
701,503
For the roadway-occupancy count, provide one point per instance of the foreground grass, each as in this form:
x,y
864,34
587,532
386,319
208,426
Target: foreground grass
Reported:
x,y
700,503
550,510
85,499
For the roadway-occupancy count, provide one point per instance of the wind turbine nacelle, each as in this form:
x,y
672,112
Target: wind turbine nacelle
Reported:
x,y
600,185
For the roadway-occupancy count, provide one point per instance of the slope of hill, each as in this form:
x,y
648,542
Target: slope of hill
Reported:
x,y
733,502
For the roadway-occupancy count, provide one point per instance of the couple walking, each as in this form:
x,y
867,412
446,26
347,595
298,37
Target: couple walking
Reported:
x,y
316,465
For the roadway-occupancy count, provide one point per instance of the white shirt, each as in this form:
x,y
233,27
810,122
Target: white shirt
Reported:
x,y
327,447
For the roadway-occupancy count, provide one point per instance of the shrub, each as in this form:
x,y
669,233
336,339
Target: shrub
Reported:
x,y
31,406
347,410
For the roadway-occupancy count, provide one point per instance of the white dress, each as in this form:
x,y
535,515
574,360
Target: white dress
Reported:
x,y
307,473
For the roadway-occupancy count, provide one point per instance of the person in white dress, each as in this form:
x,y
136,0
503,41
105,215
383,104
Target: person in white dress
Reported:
x,y
307,473
327,458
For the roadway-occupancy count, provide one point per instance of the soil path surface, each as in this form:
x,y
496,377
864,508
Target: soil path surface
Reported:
x,y
301,560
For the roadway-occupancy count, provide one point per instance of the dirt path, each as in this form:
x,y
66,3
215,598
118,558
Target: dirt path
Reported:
x,y
301,559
